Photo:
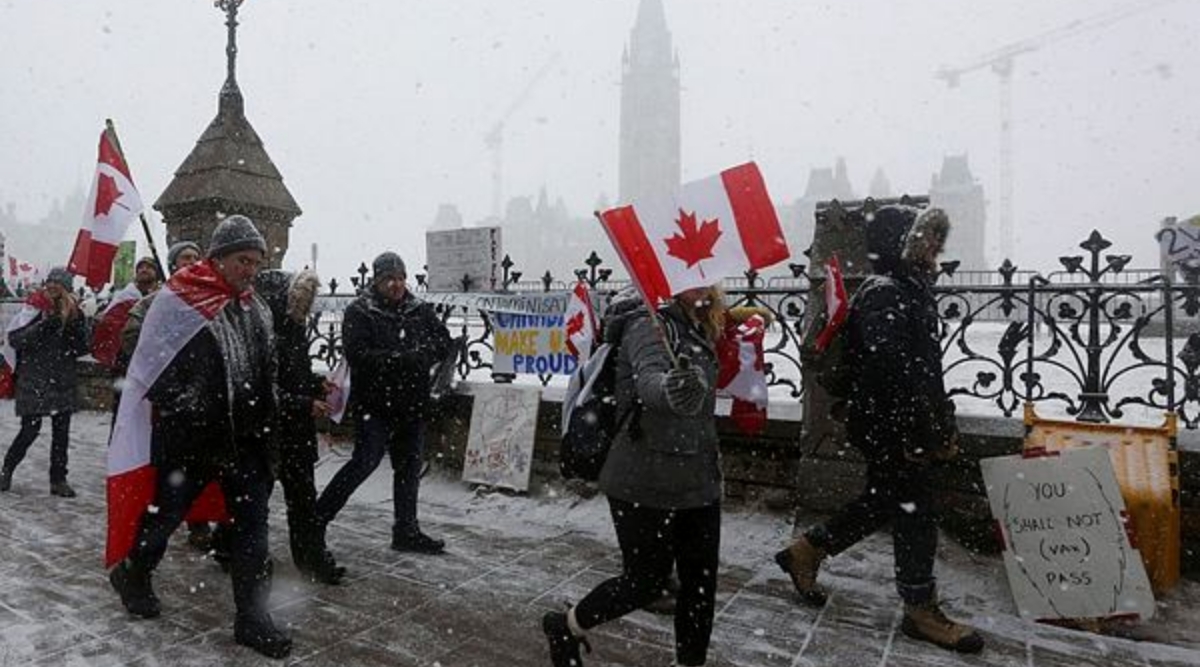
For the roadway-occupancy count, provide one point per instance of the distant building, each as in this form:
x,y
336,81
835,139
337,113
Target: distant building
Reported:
x,y
47,242
650,135
797,218
881,187
956,190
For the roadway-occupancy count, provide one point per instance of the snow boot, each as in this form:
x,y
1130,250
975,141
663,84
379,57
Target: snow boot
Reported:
x,y
564,645
926,622
801,561
418,542
61,489
321,568
5,479
132,583
258,631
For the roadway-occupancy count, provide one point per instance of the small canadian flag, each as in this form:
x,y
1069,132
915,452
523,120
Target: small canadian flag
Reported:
x,y
112,204
711,229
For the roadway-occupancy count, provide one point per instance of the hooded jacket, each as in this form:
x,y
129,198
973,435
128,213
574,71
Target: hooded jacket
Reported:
x,y
897,404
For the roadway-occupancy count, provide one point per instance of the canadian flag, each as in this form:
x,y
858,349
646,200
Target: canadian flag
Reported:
x,y
184,306
106,336
837,306
581,323
742,373
712,228
112,204
21,273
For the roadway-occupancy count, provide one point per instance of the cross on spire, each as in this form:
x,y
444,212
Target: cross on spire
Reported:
x,y
230,8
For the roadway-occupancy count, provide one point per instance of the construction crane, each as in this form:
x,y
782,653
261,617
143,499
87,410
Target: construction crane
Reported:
x,y
1001,62
494,139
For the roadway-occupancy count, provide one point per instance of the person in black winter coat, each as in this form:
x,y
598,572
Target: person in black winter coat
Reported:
x,y
301,395
214,407
47,348
392,340
899,418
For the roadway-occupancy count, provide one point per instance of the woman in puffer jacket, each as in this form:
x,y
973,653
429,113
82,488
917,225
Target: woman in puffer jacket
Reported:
x,y
662,476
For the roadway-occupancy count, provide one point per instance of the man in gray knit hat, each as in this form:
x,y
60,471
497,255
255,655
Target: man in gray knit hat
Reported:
x,y
214,406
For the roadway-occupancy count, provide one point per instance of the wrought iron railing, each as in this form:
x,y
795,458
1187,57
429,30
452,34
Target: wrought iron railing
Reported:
x,y
1093,340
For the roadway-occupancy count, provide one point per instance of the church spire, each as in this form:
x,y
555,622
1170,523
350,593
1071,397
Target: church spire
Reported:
x,y
650,136
231,95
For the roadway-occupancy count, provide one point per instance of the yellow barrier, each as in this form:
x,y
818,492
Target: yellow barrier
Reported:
x,y
1147,468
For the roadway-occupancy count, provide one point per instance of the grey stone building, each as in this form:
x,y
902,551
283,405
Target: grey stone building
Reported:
x,y
650,134
955,189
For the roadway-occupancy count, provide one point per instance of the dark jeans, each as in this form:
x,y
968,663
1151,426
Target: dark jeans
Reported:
x,y
246,487
404,442
897,492
300,494
653,542
60,434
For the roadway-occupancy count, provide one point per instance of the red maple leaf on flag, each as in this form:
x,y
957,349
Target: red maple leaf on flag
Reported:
x,y
695,243
107,194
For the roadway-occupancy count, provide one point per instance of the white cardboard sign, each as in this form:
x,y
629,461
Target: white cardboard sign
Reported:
x,y
500,444
1066,550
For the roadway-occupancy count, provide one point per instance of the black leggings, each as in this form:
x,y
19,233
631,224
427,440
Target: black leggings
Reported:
x,y
60,432
653,542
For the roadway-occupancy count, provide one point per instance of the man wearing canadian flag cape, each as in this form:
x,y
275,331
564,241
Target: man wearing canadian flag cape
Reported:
x,y
662,473
191,437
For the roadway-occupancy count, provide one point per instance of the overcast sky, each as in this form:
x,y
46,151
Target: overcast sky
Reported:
x,y
375,110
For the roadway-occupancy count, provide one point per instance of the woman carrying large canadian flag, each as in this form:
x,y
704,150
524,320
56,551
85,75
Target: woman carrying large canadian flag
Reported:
x,y
197,411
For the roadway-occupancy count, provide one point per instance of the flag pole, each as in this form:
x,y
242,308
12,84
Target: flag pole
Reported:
x,y
112,130
652,307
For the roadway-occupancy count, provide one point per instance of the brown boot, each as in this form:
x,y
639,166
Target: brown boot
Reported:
x,y
926,622
801,562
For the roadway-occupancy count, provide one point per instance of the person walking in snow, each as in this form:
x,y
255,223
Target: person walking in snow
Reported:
x,y
900,419
301,400
213,411
392,340
662,476
179,256
47,335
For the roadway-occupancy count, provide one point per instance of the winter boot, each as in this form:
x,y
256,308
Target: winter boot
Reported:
x,y
418,542
801,562
664,605
926,622
61,489
564,645
220,546
5,479
322,568
258,631
132,583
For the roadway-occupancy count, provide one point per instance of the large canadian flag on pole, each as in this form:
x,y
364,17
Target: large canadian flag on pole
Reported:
x,y
184,306
112,204
711,229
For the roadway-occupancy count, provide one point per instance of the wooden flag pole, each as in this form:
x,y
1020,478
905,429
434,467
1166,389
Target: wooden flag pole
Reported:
x,y
652,307
112,130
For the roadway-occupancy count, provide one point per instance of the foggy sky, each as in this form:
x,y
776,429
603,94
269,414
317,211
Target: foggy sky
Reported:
x,y
375,110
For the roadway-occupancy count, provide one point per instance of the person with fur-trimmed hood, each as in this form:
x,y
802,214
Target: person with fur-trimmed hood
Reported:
x,y
901,420
301,400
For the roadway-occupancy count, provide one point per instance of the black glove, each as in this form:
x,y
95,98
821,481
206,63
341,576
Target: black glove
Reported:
x,y
685,388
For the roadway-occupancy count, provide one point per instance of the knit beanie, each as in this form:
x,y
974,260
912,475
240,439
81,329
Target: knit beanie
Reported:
x,y
61,276
176,250
387,264
234,234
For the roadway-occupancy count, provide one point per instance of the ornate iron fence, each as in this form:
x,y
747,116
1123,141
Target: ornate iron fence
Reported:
x,y
1093,340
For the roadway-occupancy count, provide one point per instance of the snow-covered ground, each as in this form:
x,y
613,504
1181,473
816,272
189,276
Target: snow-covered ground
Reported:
x,y
511,558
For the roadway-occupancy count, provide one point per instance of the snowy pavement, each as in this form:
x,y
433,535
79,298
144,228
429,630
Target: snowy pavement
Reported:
x,y
510,559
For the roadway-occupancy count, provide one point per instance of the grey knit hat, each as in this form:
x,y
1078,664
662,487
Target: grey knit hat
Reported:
x,y
61,276
234,234
388,263
176,250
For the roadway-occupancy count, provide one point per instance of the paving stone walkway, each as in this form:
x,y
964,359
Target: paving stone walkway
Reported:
x,y
509,559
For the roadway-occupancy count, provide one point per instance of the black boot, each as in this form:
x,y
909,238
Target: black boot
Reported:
x,y
564,645
258,631
5,479
322,568
418,542
132,583
61,489
220,546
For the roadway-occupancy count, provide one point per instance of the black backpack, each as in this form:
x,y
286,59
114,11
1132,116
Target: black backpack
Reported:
x,y
591,423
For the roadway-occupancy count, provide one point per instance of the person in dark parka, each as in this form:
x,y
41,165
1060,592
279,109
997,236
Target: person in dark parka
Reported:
x,y
392,340
47,347
901,420
301,395
214,406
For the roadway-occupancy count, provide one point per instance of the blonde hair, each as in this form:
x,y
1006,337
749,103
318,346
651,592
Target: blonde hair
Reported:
x,y
710,314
